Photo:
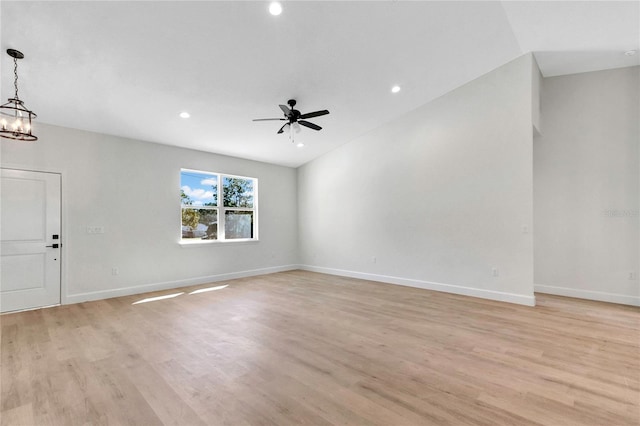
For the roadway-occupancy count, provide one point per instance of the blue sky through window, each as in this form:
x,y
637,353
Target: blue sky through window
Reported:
x,y
199,187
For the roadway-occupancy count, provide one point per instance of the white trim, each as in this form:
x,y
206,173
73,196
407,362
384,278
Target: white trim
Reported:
x,y
167,285
589,294
203,243
520,299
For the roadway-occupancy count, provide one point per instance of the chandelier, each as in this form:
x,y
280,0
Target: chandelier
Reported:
x,y
15,118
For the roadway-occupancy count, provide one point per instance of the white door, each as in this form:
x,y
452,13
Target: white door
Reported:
x,y
31,240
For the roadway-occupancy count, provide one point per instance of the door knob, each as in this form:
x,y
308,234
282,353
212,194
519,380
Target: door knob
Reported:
x,y
53,246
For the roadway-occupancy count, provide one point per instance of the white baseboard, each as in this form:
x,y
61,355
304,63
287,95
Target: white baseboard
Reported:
x,y
167,285
520,299
589,294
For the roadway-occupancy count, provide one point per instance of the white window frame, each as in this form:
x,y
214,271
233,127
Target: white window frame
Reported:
x,y
221,209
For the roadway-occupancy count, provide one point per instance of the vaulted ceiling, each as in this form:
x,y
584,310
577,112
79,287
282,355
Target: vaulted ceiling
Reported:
x,y
129,68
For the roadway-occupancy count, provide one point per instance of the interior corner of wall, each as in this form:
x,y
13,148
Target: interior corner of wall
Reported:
x,y
536,94
535,131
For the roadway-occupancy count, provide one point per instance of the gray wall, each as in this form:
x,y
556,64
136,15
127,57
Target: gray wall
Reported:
x,y
586,186
132,189
435,199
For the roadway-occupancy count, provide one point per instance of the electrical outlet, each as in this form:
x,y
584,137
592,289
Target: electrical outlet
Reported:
x,y
114,271
633,275
95,229
495,272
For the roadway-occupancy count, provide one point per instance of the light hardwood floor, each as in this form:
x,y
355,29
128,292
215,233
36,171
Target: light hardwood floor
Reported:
x,y
305,348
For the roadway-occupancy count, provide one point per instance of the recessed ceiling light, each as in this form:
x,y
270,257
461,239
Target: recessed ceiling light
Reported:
x,y
630,52
275,8
395,89
300,145
185,115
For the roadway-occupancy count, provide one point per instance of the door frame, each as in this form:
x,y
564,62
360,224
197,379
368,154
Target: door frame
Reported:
x,y
63,223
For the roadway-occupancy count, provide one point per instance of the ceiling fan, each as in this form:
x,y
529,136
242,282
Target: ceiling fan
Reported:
x,y
293,116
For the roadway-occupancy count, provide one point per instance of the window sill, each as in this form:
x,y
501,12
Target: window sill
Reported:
x,y
203,243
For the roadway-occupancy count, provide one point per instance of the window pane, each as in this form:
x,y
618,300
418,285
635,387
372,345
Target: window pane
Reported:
x,y
238,224
237,192
201,224
198,188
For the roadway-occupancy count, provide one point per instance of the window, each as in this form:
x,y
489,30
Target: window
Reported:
x,y
218,207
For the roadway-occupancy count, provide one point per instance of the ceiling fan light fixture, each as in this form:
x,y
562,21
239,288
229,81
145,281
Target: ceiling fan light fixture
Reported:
x,y
275,8
15,118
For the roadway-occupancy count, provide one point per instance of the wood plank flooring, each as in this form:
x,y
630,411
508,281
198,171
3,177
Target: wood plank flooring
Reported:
x,y
305,348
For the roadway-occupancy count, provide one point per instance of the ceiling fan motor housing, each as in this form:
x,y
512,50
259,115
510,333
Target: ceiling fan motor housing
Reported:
x,y
293,115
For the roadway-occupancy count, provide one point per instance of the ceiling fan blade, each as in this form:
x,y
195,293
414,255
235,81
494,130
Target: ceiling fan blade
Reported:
x,y
285,109
268,119
314,114
282,128
309,125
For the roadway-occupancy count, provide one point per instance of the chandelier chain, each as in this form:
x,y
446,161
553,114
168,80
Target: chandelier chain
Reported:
x,y
15,74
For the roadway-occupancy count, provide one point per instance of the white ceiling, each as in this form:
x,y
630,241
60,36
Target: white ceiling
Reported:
x,y
129,68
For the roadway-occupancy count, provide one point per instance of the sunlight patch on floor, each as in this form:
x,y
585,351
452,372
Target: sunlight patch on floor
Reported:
x,y
154,299
204,290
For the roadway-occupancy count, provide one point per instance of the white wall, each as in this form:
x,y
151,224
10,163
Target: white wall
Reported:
x,y
438,197
132,189
586,186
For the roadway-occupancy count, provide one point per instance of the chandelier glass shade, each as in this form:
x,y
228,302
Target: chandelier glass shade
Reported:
x,y
15,117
